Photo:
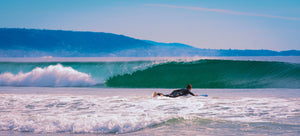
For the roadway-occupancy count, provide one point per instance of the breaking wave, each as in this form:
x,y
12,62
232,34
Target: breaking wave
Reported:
x,y
205,73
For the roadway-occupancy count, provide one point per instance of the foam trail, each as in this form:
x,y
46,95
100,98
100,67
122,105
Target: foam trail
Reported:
x,y
53,76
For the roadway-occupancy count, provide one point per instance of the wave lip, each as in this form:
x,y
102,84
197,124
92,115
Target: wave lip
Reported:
x,y
51,76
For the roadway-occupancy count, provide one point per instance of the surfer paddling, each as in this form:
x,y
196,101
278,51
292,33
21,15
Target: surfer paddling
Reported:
x,y
177,93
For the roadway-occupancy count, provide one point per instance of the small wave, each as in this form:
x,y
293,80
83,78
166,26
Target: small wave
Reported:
x,y
51,76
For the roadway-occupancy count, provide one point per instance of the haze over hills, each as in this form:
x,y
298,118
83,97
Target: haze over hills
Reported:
x,y
15,42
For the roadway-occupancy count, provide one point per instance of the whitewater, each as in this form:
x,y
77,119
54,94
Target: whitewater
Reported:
x,y
63,111
86,96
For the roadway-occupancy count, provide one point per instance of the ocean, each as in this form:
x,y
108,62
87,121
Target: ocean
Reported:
x,y
113,96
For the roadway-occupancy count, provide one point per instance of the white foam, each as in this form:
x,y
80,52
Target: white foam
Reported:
x,y
115,114
53,76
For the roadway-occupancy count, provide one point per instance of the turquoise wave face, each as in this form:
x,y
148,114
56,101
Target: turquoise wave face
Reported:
x,y
213,74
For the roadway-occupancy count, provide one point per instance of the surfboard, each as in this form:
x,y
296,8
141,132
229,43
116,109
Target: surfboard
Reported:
x,y
202,95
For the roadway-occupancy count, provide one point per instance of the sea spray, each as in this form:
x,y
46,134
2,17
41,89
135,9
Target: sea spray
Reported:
x,y
53,75
14,73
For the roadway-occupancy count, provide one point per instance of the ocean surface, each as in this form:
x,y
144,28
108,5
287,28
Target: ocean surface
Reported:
x,y
109,96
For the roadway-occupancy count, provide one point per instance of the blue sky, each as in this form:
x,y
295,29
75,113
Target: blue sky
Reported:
x,y
215,24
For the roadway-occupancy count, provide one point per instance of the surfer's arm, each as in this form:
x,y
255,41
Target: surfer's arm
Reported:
x,y
192,93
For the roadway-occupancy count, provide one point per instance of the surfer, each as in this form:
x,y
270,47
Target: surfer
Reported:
x,y
177,93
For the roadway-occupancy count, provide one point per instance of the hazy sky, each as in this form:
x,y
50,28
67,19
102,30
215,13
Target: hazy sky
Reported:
x,y
215,24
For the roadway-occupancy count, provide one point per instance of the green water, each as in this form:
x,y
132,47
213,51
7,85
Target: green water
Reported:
x,y
213,74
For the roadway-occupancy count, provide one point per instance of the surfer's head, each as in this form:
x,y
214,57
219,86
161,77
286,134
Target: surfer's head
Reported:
x,y
189,87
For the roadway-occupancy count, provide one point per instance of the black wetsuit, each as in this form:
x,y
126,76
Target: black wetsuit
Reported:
x,y
179,92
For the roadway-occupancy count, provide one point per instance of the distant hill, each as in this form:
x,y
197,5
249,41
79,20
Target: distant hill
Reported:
x,y
170,45
35,43
15,42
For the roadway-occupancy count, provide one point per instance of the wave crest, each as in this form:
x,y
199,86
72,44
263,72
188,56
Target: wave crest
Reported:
x,y
53,76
